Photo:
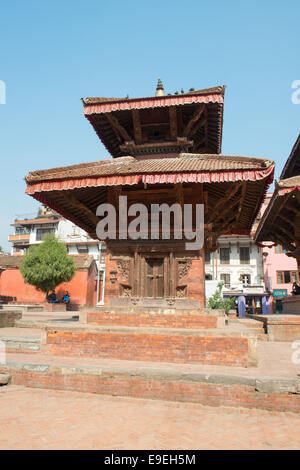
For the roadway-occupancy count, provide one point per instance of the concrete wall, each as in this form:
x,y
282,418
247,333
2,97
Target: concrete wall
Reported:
x,y
81,288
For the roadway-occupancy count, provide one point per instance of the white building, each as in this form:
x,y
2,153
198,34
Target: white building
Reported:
x,y
28,232
238,264
237,261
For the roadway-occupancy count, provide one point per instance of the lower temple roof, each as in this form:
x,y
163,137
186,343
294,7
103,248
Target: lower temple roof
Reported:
x,y
234,186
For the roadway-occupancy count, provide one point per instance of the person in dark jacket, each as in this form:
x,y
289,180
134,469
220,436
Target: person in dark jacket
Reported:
x,y
296,289
52,299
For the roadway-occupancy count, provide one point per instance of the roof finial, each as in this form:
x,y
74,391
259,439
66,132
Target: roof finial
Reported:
x,y
160,89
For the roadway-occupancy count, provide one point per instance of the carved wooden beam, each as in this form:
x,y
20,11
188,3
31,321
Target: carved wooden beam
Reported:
x,y
173,122
113,195
73,201
225,211
179,194
201,142
118,127
284,229
137,126
193,119
231,191
197,126
206,128
243,194
280,239
291,208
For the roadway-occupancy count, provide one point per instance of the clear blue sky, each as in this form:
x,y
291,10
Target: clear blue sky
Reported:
x,y
52,53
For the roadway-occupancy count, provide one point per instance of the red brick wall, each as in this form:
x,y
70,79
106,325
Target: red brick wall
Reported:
x,y
196,280
150,347
283,328
172,390
146,319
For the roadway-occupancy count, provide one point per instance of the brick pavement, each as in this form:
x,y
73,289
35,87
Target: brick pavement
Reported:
x,y
46,419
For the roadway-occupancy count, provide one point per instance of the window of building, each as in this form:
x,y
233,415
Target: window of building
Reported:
x,y
279,249
246,279
82,249
226,279
41,233
287,277
244,255
224,255
207,257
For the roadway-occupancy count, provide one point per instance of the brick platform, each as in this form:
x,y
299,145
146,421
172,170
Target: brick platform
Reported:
x,y
281,327
178,320
216,346
160,384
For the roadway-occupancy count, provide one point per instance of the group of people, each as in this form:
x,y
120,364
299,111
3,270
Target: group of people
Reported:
x,y
52,298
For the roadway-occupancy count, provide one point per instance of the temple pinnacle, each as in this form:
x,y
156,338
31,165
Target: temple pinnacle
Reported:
x,y
160,89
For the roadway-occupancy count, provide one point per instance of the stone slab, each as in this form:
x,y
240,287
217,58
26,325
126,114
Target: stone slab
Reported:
x,y
8,318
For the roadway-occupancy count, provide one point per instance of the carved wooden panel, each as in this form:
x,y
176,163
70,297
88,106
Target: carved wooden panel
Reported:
x,y
183,268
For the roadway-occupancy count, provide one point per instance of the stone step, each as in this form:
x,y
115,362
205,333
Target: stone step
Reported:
x,y
262,337
274,394
20,344
4,379
193,319
203,346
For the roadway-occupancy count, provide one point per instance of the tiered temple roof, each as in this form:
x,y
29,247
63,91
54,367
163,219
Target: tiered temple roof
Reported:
x,y
281,220
163,146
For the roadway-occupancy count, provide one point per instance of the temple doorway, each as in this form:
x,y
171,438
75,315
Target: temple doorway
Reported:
x,y
154,278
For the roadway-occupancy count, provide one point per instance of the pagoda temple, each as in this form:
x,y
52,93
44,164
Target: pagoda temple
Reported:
x,y
281,220
165,149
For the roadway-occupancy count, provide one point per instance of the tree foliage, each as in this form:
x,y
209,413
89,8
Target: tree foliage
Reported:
x,y
47,265
217,300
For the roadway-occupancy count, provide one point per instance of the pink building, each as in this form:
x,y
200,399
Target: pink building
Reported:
x,y
280,270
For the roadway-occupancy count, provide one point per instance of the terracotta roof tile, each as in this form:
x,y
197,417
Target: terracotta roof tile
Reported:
x,y
205,91
130,166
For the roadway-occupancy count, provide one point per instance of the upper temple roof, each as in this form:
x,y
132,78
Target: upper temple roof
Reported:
x,y
159,125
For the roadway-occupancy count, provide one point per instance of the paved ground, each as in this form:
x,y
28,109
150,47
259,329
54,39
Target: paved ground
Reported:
x,y
44,419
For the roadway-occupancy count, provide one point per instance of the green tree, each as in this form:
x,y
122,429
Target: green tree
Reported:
x,y
1,249
217,301
47,265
